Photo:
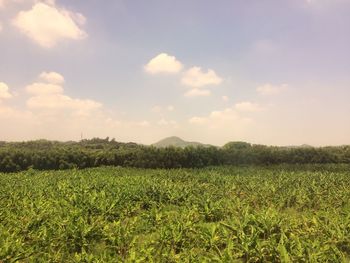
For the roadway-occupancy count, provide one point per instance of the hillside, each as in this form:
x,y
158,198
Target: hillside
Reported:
x,y
177,142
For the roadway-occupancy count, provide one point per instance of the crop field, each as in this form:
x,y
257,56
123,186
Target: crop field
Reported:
x,y
223,214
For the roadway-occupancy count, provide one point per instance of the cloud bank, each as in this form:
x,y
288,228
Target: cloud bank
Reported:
x,y
4,91
46,24
50,95
269,89
196,78
163,63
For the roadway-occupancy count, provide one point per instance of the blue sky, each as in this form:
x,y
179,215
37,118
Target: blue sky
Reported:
x,y
263,71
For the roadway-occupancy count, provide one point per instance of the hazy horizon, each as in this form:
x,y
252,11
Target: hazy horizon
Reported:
x,y
171,136
265,72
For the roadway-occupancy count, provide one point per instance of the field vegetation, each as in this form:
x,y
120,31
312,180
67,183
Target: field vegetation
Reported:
x,y
222,214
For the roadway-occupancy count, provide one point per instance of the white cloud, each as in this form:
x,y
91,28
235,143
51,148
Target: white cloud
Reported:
x,y
269,89
225,98
196,78
170,108
164,122
198,93
4,91
247,106
163,63
52,77
156,109
4,3
48,109
222,126
159,109
48,96
197,120
15,122
39,88
221,118
225,115
217,116
47,24
141,124
62,102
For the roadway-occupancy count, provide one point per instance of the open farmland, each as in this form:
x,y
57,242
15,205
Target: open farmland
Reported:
x,y
222,214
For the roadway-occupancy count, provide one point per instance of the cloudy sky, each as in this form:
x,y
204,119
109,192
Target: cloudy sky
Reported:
x,y
274,72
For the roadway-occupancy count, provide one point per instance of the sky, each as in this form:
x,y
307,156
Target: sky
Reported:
x,y
274,72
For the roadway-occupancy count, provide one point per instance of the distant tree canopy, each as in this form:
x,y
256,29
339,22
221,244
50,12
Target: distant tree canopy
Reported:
x,y
53,155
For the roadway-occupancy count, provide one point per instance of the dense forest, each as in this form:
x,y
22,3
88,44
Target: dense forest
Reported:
x,y
53,155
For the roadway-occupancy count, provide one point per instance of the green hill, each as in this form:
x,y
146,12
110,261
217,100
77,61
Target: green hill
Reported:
x,y
176,142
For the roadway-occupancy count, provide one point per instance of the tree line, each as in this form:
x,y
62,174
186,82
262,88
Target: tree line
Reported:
x,y
53,155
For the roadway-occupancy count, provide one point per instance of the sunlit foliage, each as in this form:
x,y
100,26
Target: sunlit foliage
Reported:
x,y
224,214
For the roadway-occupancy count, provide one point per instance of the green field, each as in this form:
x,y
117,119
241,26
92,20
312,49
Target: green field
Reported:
x,y
224,214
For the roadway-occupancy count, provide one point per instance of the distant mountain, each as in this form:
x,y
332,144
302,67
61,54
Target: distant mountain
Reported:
x,y
306,146
176,142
